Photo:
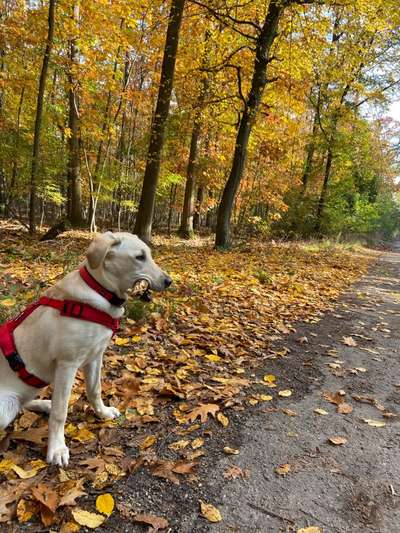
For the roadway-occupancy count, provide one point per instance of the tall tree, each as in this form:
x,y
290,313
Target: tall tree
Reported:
x,y
145,212
38,118
73,170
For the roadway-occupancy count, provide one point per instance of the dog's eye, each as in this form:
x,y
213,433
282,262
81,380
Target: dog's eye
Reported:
x,y
141,257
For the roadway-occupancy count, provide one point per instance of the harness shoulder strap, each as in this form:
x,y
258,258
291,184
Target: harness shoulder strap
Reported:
x,y
81,311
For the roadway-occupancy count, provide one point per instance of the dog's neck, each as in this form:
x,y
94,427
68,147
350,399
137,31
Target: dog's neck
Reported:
x,y
92,282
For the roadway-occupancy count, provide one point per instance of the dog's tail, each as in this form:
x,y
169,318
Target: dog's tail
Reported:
x,y
10,406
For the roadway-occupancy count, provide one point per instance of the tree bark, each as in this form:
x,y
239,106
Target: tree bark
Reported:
x,y
322,198
263,46
199,201
310,156
145,212
73,171
38,118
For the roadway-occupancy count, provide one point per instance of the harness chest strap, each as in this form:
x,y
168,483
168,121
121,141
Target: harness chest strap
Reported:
x,y
68,308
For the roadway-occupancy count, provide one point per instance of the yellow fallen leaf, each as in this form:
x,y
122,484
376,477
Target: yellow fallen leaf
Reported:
x,y
84,518
121,341
213,358
69,527
210,512
231,451
222,419
147,442
105,504
374,423
6,465
265,397
320,411
285,393
84,435
24,474
311,529
26,510
197,443
269,378
284,469
8,302
179,445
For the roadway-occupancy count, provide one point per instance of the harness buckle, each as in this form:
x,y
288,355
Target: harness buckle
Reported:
x,y
72,309
15,361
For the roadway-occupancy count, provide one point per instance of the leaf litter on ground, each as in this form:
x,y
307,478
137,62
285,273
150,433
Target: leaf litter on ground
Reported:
x,y
190,351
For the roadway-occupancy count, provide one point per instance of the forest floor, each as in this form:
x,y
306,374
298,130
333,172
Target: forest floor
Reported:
x,y
232,385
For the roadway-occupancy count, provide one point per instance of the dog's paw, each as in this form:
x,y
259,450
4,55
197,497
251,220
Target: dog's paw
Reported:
x,y
108,413
58,455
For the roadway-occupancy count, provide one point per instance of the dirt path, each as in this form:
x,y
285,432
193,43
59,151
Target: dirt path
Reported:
x,y
354,487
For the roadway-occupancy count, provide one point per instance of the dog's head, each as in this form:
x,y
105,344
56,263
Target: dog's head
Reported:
x,y
125,261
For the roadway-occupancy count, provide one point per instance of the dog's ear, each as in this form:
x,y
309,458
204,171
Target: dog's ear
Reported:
x,y
99,248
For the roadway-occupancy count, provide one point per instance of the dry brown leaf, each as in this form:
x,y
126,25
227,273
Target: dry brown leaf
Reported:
x,y
235,472
344,408
35,435
349,341
338,441
202,411
156,522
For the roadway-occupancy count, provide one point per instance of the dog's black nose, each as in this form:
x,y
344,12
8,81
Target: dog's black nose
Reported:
x,y
167,281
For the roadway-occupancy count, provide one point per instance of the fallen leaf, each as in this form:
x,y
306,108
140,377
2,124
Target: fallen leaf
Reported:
x,y
197,443
338,441
336,398
374,423
156,522
269,378
231,451
84,435
179,445
202,411
26,510
310,529
321,411
105,504
235,472
289,412
90,520
283,469
210,512
222,419
147,442
344,408
285,393
349,341
265,397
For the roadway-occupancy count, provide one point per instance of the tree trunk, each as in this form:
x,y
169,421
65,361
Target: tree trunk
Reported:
x,y
73,171
38,118
145,212
322,198
263,46
310,155
186,227
199,201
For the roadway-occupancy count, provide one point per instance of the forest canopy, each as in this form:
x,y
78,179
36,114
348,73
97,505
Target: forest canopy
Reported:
x,y
241,117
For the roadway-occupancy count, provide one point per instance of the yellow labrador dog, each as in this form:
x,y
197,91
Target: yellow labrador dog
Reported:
x,y
69,328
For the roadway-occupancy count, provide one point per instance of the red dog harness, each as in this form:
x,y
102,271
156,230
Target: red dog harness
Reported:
x,y
70,308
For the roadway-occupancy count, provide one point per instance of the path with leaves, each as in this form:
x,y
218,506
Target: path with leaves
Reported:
x,y
328,457
228,397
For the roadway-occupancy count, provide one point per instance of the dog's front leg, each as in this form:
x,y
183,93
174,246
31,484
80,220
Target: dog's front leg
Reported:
x,y
57,451
92,373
